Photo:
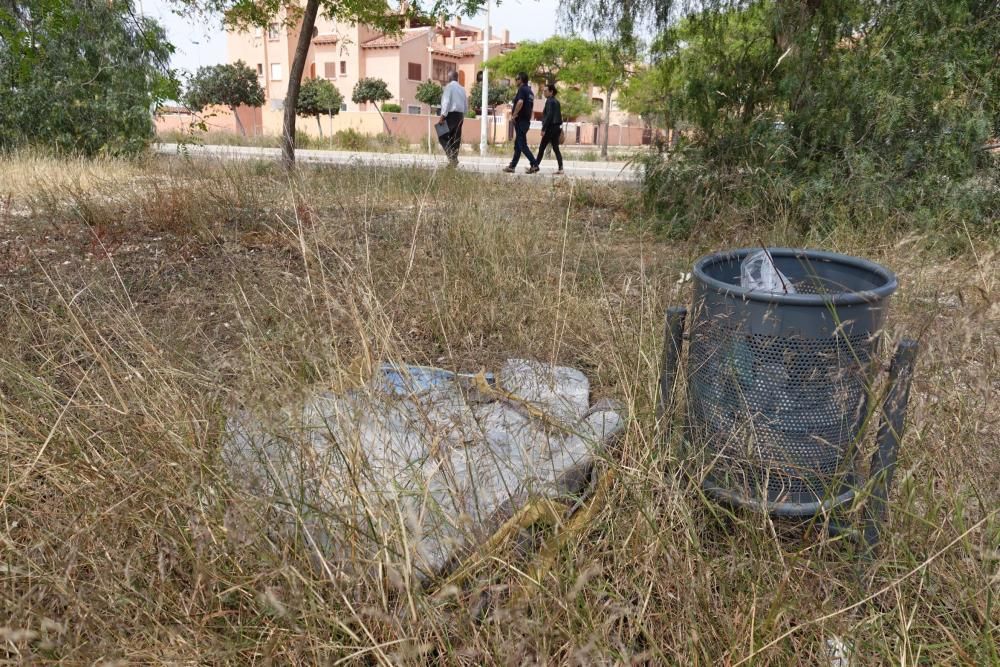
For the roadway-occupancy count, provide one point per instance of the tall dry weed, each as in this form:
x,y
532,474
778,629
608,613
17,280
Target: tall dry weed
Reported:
x,y
229,285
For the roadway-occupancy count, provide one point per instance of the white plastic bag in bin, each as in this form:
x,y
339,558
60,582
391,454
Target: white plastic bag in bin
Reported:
x,y
759,274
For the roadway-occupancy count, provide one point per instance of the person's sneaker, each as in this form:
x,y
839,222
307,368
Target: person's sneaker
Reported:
x,y
509,169
560,172
453,164
532,170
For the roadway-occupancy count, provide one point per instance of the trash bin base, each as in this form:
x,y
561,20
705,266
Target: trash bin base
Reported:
x,y
786,509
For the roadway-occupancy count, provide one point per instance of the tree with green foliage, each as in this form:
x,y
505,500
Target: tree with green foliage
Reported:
x,y
81,77
545,62
429,92
608,67
574,61
913,82
574,102
372,90
896,97
378,15
319,97
643,96
713,71
499,93
230,85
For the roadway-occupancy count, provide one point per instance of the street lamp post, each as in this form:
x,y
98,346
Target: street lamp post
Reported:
x,y
485,108
430,72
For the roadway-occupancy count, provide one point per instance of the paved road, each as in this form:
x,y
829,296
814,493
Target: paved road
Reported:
x,y
600,171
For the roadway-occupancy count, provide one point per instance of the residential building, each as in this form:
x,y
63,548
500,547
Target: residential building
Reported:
x,y
344,53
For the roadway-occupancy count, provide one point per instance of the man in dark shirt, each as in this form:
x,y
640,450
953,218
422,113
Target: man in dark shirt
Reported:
x,y
524,103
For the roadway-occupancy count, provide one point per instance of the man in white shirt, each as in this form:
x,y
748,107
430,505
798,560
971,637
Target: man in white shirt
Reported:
x,y
453,107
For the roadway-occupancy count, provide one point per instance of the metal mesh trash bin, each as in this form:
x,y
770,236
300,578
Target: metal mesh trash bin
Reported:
x,y
780,384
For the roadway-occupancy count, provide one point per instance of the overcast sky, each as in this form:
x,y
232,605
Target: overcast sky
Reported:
x,y
198,43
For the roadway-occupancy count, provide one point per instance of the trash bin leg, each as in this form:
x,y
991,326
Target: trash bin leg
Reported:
x,y
673,342
890,433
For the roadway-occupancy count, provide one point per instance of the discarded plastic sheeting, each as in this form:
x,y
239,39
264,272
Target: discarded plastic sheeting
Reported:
x,y
422,464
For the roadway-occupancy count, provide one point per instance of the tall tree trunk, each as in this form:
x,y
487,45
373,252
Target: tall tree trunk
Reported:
x,y
295,83
319,125
387,130
239,123
607,122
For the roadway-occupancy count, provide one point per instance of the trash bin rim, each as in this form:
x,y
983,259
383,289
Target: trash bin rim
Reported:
x,y
839,299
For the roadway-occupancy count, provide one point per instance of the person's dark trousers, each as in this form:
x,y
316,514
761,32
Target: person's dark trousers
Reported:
x,y
452,142
521,145
550,138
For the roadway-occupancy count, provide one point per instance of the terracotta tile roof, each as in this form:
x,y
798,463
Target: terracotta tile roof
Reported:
x,y
472,49
323,40
445,51
168,108
463,27
389,41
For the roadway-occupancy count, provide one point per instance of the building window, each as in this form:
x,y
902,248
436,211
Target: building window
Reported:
x,y
272,32
275,71
413,71
330,70
278,104
260,69
343,106
442,69
343,68
413,109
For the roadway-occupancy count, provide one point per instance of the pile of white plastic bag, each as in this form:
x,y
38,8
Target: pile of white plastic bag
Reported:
x,y
421,465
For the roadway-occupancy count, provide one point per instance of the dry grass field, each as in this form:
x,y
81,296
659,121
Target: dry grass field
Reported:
x,y
142,302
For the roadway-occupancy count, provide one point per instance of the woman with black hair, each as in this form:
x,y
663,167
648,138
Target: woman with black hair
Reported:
x,y
551,127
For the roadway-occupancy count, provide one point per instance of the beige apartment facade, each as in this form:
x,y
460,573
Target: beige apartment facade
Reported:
x,y
345,53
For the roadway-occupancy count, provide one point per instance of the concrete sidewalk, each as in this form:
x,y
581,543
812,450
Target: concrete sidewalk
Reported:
x,y
599,171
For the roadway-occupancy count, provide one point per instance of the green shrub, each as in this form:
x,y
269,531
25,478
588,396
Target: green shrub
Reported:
x,y
350,140
81,78
429,92
688,193
391,107
877,115
388,142
218,138
306,140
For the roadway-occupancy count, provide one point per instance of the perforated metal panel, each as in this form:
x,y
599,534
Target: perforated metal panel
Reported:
x,y
778,387
778,413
